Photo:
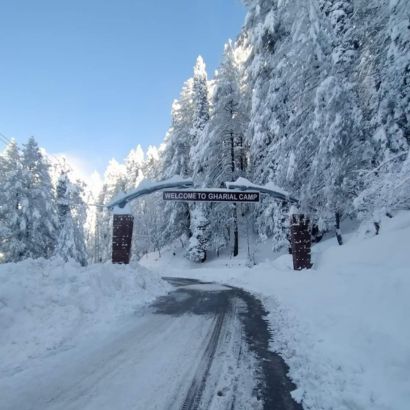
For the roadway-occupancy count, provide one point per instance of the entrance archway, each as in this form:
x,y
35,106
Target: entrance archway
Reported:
x,y
183,191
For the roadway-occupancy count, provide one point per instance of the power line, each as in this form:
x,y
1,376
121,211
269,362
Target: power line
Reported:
x,y
4,139
7,141
96,205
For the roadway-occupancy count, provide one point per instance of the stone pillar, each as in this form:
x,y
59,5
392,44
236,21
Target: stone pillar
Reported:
x,y
121,238
301,241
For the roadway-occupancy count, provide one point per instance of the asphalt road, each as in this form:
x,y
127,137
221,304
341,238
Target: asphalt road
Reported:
x,y
203,346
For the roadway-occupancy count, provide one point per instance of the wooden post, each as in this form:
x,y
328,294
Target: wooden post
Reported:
x,y
121,238
301,241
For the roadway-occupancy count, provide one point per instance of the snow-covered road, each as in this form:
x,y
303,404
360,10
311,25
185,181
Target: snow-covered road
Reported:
x,y
203,346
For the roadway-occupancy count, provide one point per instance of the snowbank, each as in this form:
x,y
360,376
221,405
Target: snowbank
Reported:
x,y
46,304
342,327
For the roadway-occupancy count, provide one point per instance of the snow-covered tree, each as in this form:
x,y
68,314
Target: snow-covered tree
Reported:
x,y
176,161
71,212
394,109
200,96
134,163
11,227
387,189
198,243
221,151
178,141
114,184
38,216
151,168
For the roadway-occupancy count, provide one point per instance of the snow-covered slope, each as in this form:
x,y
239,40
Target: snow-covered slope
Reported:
x,y
343,327
45,305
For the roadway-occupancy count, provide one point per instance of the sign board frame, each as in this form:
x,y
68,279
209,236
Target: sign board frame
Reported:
x,y
219,195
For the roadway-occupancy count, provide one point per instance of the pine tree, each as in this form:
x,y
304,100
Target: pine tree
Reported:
x,y
11,228
71,219
114,184
152,164
176,161
387,189
38,216
134,163
394,109
200,99
289,46
221,150
198,244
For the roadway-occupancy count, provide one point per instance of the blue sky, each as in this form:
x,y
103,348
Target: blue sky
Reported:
x,y
93,78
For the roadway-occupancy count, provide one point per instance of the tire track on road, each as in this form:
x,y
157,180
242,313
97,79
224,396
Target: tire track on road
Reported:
x,y
196,389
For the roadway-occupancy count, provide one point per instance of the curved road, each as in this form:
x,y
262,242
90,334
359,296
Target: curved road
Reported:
x,y
203,346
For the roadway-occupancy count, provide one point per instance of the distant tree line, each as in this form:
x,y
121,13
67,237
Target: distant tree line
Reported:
x,y
42,211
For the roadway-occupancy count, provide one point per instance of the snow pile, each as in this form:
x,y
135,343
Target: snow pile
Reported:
x,y
343,327
45,304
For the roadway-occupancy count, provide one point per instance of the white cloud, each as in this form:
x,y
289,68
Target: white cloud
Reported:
x,y
83,169
95,183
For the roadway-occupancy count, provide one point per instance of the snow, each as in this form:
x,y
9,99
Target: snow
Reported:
x,y
46,304
244,183
79,338
126,210
147,187
342,327
150,361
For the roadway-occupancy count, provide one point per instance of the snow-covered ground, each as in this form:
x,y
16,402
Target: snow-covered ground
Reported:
x,y
81,338
48,305
343,327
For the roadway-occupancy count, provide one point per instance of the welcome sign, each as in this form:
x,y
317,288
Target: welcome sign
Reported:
x,y
210,196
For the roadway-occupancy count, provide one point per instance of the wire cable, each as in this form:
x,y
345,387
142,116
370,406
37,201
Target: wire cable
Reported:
x,y
4,139
8,141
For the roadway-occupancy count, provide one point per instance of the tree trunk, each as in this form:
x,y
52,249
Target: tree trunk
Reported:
x,y
338,231
235,231
241,159
377,227
189,221
235,210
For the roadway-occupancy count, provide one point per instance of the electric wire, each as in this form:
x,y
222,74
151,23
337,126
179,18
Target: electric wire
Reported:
x,y
4,140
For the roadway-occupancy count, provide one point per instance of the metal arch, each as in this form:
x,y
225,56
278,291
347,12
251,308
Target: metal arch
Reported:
x,y
186,183
121,202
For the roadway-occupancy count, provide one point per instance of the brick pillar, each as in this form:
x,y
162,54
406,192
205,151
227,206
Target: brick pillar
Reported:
x,y
121,238
301,241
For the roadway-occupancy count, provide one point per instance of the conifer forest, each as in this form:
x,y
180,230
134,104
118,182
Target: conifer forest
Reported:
x,y
313,96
